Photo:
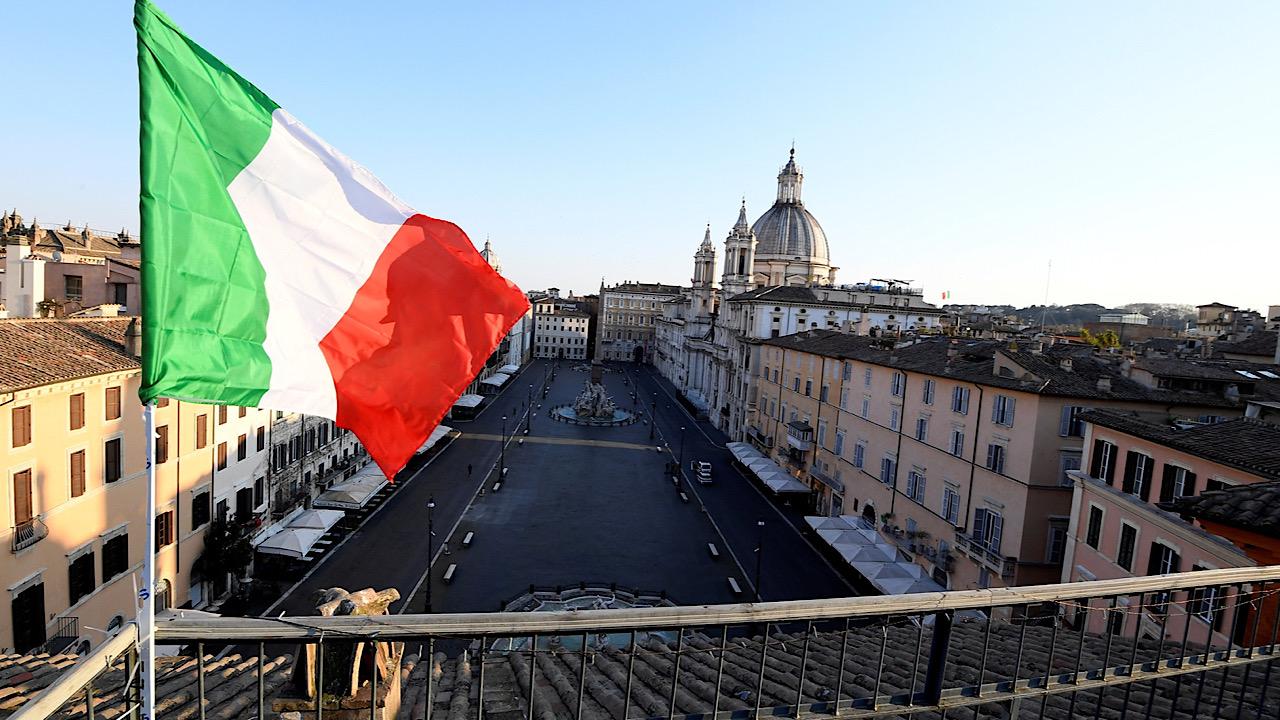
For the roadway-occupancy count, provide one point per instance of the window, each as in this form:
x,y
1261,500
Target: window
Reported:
x,y
988,527
1056,548
115,556
848,371
111,459
222,456
222,414
960,400
1212,485
162,402
259,494
80,579
1093,533
796,384
200,509
1128,539
164,529
866,408
21,426
951,505
1070,425
927,396
956,445
77,411
262,439
1177,482
822,433
113,403
895,418
162,444
824,393
1102,465
866,378
888,468
808,388
859,454
1068,460
244,504
839,449
922,429
897,384
119,293
844,398
74,286
995,458
915,486
77,473
243,411
1002,410
1115,621
1137,474
1208,604
242,447
202,431
1162,560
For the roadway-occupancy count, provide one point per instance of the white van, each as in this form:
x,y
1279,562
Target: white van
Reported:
x,y
702,470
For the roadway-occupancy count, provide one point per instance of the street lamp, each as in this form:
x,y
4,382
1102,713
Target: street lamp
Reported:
x,y
528,419
502,451
681,449
653,414
759,554
431,506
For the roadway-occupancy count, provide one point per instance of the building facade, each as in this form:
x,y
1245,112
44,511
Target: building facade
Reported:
x,y
50,272
1124,518
628,318
561,329
958,452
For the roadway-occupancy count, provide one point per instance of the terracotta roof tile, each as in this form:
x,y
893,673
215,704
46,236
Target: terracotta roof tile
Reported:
x,y
37,352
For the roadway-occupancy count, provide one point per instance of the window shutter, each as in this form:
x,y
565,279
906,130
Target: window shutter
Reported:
x,y
1189,484
1175,562
1010,405
1130,464
997,529
1095,460
1153,559
1166,483
979,522
1148,471
77,473
991,456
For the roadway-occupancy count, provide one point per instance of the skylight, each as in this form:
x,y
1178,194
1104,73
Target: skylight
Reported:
x,y
1247,374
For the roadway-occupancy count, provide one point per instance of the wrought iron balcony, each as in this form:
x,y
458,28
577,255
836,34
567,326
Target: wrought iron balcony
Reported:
x,y
825,479
29,533
1057,651
976,549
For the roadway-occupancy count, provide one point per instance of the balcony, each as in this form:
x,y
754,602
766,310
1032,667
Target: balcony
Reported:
x,y
800,435
874,656
29,533
977,550
825,479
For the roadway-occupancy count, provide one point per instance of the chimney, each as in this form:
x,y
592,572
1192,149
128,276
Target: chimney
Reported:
x,y
1036,347
952,350
133,338
1104,384
1065,364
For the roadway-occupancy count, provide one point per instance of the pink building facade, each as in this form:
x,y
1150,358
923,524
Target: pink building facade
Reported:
x,y
1119,529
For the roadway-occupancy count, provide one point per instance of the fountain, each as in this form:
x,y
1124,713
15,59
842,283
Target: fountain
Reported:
x,y
593,406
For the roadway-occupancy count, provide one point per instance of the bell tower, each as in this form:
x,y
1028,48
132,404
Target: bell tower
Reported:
x,y
704,273
739,254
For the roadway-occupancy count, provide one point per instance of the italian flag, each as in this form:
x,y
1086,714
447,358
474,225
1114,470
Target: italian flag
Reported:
x,y
279,273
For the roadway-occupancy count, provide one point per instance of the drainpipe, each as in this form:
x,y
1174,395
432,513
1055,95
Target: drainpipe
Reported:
x,y
973,459
897,462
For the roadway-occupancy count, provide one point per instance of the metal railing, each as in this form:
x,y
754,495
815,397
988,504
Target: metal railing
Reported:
x,y
29,533
65,632
1070,649
977,549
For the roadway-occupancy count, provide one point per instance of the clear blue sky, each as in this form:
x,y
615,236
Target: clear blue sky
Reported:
x,y
959,145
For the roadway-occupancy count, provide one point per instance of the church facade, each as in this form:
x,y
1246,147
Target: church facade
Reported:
x,y
777,279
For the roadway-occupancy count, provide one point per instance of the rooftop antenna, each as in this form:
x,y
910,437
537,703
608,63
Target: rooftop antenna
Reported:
x,y
1044,310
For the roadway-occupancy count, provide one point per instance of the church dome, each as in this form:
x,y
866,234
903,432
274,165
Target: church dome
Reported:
x,y
787,230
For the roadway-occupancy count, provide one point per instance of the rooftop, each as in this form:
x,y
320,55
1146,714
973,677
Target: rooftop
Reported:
x,y
1260,342
37,352
1243,443
1255,507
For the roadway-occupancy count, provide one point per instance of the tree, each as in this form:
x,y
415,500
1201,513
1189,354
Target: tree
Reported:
x,y
1108,339
226,549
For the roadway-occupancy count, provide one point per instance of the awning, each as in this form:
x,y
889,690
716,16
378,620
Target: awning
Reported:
x,y
496,379
509,369
768,471
315,520
435,437
291,542
468,401
872,556
695,399
355,492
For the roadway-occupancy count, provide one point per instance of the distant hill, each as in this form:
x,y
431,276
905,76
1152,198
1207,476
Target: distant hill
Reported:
x,y
1076,315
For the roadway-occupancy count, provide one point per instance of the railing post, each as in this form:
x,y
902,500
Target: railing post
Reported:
x,y
938,650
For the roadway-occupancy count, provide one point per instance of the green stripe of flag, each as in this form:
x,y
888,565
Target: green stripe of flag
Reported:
x,y
204,303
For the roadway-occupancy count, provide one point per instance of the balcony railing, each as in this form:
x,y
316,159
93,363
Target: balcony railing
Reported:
x,y
29,533
825,479
1061,653
976,548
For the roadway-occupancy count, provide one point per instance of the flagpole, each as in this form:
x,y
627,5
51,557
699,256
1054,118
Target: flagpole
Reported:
x,y
147,613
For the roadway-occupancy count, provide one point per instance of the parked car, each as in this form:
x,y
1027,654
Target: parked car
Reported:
x,y
701,470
